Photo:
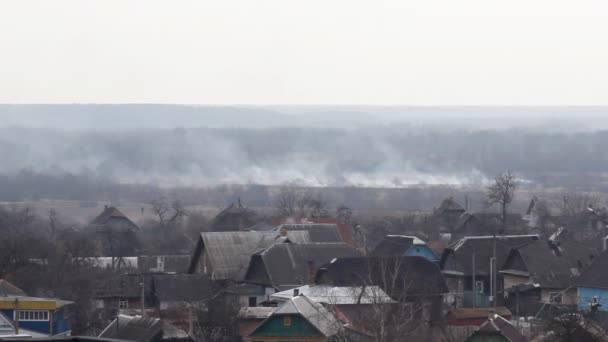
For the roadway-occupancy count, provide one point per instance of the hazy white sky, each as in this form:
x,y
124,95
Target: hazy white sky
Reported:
x,y
530,52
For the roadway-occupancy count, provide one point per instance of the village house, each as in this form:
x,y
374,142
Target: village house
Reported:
x,y
226,255
115,235
593,285
233,218
402,245
365,308
465,265
123,294
22,315
448,213
300,319
289,265
415,282
544,272
171,296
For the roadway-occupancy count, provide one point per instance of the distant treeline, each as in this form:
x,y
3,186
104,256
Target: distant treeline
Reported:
x,y
30,186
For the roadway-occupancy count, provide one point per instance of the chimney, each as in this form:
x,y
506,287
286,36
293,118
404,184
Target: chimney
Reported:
x,y
296,292
312,271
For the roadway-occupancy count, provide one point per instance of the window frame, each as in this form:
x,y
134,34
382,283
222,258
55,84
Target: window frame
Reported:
x,y
123,303
555,295
33,315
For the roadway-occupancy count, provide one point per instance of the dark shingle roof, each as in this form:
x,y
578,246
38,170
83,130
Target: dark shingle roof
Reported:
x,y
497,326
229,253
553,265
233,218
125,286
290,264
133,328
459,255
393,246
449,205
181,287
319,232
113,218
595,275
410,275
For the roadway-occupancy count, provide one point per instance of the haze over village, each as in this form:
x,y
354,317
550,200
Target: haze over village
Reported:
x,y
284,171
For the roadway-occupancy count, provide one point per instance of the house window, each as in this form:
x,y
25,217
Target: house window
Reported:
x,y
555,297
286,321
479,286
33,315
253,301
123,304
160,263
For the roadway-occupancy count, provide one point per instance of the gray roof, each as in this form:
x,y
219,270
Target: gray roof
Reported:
x,y
497,326
337,295
319,232
315,313
449,205
409,276
8,289
255,312
393,246
595,275
181,287
261,226
459,255
552,264
229,252
133,328
289,264
112,218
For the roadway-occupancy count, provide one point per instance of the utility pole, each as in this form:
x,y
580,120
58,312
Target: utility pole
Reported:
x,y
474,286
16,318
143,297
493,268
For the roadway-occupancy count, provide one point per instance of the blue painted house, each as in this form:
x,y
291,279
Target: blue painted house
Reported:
x,y
33,316
593,284
403,245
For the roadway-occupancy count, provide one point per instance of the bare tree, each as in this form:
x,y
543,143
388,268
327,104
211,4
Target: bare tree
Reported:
x,y
285,202
168,213
502,191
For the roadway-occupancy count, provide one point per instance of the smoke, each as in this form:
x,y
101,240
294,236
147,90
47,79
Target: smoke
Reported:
x,y
206,156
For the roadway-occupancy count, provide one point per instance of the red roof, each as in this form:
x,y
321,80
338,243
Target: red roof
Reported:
x,y
475,316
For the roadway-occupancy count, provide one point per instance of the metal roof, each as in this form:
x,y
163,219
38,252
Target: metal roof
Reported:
x,y
229,252
337,295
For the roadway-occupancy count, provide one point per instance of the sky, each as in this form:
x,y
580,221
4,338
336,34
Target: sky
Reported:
x,y
425,52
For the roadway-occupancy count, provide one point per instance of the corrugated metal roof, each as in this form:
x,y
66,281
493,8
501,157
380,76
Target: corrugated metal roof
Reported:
x,y
337,294
315,313
229,252
291,263
133,328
